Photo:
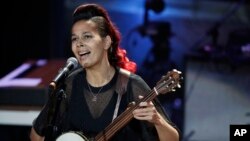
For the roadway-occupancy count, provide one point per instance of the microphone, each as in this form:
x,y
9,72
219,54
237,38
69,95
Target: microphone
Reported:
x,y
63,72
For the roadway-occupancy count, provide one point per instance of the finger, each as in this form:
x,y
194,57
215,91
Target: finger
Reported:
x,y
146,104
142,114
146,118
140,97
149,111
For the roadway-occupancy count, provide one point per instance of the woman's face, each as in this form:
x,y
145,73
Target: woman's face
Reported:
x,y
87,45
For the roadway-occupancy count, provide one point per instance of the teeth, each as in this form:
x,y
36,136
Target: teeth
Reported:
x,y
84,53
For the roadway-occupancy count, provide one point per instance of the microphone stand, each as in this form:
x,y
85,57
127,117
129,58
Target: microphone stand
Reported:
x,y
55,98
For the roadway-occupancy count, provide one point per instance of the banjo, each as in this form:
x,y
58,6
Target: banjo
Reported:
x,y
167,84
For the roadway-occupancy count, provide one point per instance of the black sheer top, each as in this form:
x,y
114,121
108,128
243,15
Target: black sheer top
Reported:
x,y
80,112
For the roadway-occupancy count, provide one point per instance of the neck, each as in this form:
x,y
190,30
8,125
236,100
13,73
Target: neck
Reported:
x,y
100,77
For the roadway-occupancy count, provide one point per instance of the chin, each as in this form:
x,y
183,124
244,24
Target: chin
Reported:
x,y
84,65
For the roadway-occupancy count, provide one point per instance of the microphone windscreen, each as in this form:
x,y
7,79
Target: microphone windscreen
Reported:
x,y
74,62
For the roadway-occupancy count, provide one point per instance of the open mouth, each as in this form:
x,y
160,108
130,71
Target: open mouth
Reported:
x,y
84,54
81,54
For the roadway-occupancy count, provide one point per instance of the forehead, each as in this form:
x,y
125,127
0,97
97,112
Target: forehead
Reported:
x,y
84,26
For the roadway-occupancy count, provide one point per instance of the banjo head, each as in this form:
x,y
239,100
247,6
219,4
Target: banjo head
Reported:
x,y
71,136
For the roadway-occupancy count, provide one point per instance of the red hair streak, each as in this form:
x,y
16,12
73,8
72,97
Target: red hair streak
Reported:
x,y
124,62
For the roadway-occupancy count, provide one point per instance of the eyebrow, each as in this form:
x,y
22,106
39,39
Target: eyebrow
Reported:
x,y
86,32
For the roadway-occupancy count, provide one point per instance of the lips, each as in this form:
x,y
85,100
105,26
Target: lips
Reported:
x,y
83,54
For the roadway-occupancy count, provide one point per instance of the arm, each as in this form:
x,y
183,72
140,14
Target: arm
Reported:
x,y
165,130
148,112
34,136
152,112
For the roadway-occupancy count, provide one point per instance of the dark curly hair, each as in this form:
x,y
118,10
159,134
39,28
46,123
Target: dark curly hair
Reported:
x,y
97,14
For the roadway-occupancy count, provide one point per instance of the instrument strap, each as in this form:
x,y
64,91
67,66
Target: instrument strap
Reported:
x,y
121,88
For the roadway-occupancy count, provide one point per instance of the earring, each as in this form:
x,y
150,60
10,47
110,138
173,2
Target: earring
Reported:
x,y
111,49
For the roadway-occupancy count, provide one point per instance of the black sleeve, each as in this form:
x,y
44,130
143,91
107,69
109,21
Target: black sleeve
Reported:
x,y
163,112
38,122
44,118
139,87
41,121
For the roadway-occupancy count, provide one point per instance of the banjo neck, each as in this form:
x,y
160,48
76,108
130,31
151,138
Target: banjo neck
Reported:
x,y
165,85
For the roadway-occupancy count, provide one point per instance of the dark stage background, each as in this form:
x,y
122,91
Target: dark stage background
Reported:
x,y
208,40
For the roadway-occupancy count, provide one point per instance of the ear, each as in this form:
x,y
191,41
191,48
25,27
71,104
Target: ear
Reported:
x,y
108,42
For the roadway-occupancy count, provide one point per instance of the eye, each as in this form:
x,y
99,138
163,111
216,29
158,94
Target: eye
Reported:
x,y
73,39
85,37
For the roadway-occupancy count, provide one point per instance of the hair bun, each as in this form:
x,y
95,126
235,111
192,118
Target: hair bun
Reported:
x,y
87,11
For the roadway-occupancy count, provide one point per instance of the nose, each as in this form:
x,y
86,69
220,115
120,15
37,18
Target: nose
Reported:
x,y
79,43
